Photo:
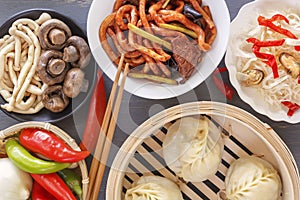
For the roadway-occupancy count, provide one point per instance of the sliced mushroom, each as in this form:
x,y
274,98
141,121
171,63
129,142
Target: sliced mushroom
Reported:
x,y
53,34
77,52
51,69
74,82
251,77
192,14
290,63
54,98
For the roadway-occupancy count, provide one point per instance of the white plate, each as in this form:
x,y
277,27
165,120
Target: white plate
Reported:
x,y
246,18
143,88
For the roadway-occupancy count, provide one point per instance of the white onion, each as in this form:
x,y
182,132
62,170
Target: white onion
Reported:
x,y
15,184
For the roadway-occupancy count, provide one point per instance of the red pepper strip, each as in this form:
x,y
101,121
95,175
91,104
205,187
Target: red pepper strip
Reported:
x,y
39,193
54,185
297,48
269,59
95,117
226,90
49,145
268,43
269,23
293,107
278,17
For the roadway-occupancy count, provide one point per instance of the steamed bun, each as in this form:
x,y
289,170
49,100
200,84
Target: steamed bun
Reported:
x,y
192,149
153,188
252,178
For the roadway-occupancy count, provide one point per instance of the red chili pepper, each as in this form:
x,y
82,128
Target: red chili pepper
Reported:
x,y
95,115
269,59
49,145
54,185
226,90
40,193
293,107
269,23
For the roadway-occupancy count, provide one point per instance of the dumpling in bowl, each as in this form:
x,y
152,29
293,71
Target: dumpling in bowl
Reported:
x,y
252,178
153,188
192,148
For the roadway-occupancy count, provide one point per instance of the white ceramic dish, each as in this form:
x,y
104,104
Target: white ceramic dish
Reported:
x,y
143,88
246,18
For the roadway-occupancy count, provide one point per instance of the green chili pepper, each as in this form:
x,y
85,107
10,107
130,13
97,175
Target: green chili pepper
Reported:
x,y
72,180
26,162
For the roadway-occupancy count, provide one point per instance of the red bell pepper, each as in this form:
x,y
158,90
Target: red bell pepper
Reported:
x,y
49,145
268,43
297,48
269,59
40,193
269,23
95,117
54,185
226,90
293,107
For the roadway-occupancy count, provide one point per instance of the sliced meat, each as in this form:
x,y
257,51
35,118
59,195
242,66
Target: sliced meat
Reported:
x,y
187,54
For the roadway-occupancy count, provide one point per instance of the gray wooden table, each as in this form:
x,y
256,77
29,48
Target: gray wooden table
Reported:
x,y
135,110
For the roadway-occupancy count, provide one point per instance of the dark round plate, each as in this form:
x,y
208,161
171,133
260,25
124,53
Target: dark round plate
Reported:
x,y
90,71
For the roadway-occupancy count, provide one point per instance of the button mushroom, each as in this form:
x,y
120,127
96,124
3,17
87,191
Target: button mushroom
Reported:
x,y
290,63
54,98
74,82
251,77
53,34
51,68
77,52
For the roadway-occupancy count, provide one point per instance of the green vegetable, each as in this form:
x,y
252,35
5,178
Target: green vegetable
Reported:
x,y
72,180
180,29
158,79
28,163
149,36
165,4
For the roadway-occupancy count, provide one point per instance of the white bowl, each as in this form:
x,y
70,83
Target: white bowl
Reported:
x,y
143,88
247,18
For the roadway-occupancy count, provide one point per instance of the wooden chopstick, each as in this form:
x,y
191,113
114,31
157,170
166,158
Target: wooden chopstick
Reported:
x,y
106,134
103,130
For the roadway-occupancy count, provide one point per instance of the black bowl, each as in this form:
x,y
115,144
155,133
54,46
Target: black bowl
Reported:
x,y
90,71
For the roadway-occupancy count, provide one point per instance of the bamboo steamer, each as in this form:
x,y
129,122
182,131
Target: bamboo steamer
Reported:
x,y
63,135
141,153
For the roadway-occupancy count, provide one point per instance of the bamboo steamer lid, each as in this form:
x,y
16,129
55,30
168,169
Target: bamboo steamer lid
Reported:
x,y
60,133
141,153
